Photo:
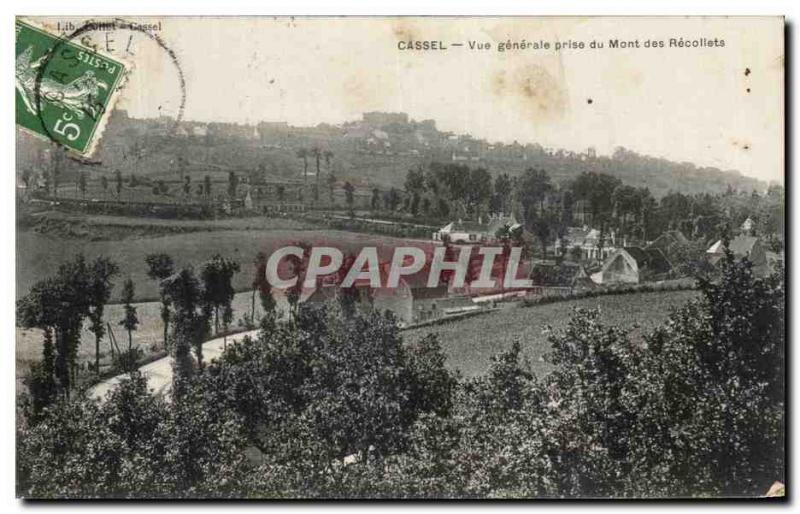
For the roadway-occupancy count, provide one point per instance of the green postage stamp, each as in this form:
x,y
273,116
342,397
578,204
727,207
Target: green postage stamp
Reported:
x,y
64,91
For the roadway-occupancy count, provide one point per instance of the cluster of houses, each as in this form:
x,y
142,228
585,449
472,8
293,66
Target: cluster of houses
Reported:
x,y
587,265
586,258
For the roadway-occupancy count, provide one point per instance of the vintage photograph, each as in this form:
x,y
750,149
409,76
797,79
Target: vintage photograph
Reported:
x,y
400,257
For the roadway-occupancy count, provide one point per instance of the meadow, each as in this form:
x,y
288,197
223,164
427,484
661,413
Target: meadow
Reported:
x,y
470,343
38,255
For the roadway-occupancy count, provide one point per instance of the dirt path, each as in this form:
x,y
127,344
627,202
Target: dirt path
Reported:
x,y
159,373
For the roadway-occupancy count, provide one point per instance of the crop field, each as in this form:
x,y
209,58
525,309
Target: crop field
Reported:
x,y
470,343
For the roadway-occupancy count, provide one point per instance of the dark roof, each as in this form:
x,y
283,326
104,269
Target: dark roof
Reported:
x,y
551,274
638,255
668,239
652,259
742,245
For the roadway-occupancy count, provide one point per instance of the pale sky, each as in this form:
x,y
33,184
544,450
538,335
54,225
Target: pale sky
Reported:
x,y
685,104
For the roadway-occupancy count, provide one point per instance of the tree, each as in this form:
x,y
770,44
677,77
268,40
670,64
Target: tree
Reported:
x,y
27,178
41,380
302,153
57,167
415,181
130,321
545,227
479,191
82,183
262,287
102,271
317,153
331,185
596,190
374,202
391,199
217,275
715,376
189,326
502,193
233,184
534,186
135,445
159,267
118,182
58,305
207,187
298,268
348,194
414,204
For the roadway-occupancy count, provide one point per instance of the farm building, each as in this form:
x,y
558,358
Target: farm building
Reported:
x,y
742,246
632,265
475,231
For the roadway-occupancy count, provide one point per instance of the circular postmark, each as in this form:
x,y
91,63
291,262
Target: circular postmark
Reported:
x,y
93,108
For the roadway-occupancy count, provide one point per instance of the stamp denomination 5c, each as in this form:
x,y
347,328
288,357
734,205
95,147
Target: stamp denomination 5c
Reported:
x,y
64,91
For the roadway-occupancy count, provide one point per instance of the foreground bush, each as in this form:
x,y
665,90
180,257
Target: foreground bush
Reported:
x,y
334,405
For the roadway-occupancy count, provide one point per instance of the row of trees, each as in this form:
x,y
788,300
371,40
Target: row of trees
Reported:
x,y
318,154
79,292
547,209
334,404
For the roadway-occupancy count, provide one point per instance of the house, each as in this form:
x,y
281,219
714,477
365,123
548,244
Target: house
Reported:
x,y
669,241
588,241
412,301
774,260
475,231
748,226
742,246
632,265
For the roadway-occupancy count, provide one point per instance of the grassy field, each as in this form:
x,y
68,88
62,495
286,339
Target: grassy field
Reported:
x,y
38,255
128,241
470,343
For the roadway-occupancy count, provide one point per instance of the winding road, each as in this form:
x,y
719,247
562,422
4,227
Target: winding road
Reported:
x,y
159,372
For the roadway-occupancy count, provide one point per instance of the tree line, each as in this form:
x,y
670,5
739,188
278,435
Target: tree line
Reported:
x,y
448,192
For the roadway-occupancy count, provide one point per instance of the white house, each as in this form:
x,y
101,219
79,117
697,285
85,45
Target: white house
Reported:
x,y
475,231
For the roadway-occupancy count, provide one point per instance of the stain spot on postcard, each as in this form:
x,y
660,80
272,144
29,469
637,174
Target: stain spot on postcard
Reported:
x,y
535,90
404,31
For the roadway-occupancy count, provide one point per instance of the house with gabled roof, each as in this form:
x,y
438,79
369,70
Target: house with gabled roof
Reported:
x,y
632,265
669,241
588,240
743,247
